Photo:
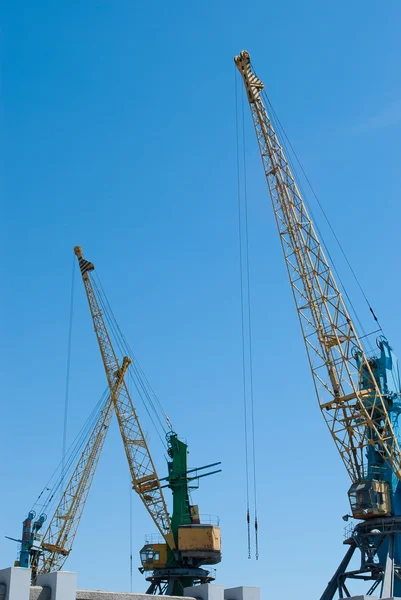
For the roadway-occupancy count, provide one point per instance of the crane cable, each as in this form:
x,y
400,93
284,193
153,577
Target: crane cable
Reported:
x,y
285,140
67,380
250,337
130,535
244,269
145,392
68,462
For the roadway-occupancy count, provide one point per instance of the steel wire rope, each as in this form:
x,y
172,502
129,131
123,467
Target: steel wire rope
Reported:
x,y
279,128
59,481
285,139
335,236
277,124
244,391
68,373
122,341
133,357
74,451
113,325
289,151
130,535
138,383
247,270
83,437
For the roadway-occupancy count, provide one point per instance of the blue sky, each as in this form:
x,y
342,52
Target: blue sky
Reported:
x,y
118,128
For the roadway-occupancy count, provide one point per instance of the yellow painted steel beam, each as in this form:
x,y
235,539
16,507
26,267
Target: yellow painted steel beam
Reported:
x,y
138,455
61,531
355,421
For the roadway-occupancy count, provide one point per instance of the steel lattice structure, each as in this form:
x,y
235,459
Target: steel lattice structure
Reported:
x,y
143,472
357,418
60,533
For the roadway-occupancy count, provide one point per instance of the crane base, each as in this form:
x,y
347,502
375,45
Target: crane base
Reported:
x,y
171,581
377,541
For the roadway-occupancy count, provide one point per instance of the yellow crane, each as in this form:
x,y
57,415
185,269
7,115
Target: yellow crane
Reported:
x,y
359,394
51,551
188,543
330,336
143,472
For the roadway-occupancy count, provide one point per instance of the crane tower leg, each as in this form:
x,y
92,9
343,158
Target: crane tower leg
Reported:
x,y
377,540
332,586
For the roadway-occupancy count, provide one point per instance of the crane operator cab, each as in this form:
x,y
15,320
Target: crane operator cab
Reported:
x,y
153,556
370,498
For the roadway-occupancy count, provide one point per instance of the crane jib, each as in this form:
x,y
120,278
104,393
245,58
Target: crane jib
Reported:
x,y
361,418
143,472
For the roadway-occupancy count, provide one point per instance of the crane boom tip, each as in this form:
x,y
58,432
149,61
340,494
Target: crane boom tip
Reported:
x,y
243,55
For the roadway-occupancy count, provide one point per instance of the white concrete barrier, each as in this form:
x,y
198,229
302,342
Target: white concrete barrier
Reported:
x,y
244,592
15,584
98,595
63,584
206,591
363,597
17,581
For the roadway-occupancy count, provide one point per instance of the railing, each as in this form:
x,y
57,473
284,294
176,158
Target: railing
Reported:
x,y
204,519
154,538
349,530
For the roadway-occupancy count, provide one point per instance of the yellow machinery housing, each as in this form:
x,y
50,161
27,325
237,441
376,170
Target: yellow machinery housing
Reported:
x,y
197,544
200,542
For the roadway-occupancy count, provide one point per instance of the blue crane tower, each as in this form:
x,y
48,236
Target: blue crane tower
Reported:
x,y
359,392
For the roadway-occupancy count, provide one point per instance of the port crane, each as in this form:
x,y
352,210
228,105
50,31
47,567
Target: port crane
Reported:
x,y
359,393
170,564
188,544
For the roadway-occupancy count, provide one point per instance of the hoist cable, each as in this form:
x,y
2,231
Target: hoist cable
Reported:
x,y
77,449
130,352
334,234
247,270
67,380
245,407
278,126
130,535
122,344
285,139
71,455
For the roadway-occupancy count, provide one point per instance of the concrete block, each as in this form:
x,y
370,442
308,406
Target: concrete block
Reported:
x,y
244,592
205,591
40,593
63,584
99,595
363,597
17,581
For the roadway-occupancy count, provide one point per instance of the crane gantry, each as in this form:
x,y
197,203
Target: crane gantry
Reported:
x,y
359,395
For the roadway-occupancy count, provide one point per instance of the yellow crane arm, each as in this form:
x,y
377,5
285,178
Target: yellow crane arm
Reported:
x,y
59,537
143,472
356,418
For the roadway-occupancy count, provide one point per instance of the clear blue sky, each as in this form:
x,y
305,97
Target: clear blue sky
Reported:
x,y
118,129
